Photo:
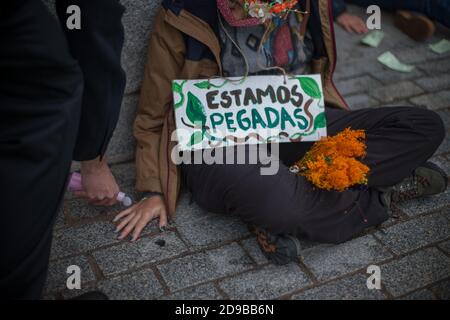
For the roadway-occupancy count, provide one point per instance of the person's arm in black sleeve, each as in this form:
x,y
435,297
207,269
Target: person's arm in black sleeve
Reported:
x,y
97,46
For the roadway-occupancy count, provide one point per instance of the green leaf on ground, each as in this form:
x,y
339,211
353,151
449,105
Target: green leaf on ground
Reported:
x,y
390,60
373,38
440,47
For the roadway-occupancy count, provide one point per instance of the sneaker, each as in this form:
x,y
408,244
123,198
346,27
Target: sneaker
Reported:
x,y
427,180
279,249
417,27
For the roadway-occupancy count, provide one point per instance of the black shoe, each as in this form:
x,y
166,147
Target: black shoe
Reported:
x,y
92,295
427,180
279,249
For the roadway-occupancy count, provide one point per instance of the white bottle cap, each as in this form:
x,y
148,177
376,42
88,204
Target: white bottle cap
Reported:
x,y
127,201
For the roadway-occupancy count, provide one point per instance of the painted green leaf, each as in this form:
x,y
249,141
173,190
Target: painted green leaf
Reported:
x,y
176,87
320,121
196,138
195,111
310,86
296,136
203,85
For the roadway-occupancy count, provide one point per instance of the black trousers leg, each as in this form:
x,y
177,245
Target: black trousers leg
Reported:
x,y
40,100
398,140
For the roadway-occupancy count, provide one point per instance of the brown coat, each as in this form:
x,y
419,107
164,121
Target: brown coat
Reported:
x,y
167,61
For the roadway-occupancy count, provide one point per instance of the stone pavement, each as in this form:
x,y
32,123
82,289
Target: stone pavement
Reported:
x,y
208,256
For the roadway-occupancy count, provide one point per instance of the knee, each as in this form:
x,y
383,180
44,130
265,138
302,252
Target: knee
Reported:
x,y
426,123
435,128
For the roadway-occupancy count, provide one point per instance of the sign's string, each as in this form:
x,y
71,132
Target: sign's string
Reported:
x,y
263,40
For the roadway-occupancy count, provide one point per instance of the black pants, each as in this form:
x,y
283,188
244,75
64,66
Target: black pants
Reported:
x,y
399,139
42,98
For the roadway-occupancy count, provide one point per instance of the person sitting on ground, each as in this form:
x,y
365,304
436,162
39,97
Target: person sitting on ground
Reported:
x,y
192,40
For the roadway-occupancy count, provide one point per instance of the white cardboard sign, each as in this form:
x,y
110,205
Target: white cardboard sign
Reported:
x,y
257,109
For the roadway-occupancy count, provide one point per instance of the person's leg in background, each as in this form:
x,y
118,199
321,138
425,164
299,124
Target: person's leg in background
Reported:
x,y
438,10
40,99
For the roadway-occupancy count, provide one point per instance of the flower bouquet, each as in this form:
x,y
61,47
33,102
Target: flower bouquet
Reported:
x,y
334,162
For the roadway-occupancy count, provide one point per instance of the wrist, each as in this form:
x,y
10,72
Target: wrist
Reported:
x,y
150,194
93,165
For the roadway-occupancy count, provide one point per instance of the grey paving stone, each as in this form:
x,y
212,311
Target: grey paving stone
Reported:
x,y
253,249
204,266
269,282
426,204
137,21
60,221
361,101
389,76
419,295
357,85
419,54
435,83
416,233
350,288
202,292
445,146
141,285
436,66
57,273
396,91
125,174
78,209
358,67
433,101
80,239
442,290
445,246
200,228
415,271
122,146
330,261
128,255
447,213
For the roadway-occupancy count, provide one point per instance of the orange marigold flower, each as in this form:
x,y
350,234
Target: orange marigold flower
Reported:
x,y
333,164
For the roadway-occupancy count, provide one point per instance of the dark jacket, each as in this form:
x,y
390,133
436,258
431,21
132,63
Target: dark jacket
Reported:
x,y
97,47
339,7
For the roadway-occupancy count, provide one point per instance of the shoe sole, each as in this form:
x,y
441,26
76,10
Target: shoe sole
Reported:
x,y
417,27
